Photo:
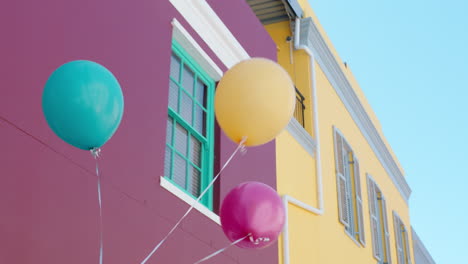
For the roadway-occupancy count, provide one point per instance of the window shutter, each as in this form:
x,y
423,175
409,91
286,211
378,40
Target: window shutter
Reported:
x,y
357,183
407,243
373,217
339,153
399,246
342,190
387,256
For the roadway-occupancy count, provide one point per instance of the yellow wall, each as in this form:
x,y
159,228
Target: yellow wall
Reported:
x,y
333,113
297,65
308,12
322,239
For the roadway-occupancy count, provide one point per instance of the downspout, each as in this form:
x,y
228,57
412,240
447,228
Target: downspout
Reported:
x,y
318,160
318,164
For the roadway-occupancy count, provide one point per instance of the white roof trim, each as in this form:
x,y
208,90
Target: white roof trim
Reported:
x,y
212,30
345,91
420,250
191,47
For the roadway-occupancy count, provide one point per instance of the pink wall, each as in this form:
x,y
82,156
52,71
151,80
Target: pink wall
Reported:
x,y
48,200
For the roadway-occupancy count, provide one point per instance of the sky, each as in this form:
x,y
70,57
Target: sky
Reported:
x,y
411,60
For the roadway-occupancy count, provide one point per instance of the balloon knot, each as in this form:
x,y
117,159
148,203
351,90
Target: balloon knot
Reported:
x,y
96,152
243,149
257,241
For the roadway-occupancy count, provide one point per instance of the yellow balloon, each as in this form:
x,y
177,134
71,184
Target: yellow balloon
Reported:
x,y
254,99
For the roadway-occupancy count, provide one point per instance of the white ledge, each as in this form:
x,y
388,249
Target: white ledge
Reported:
x,y
301,135
189,200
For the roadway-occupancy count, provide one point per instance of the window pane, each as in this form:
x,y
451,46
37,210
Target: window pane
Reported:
x,y
173,95
167,163
200,119
195,149
175,67
179,170
200,93
194,175
186,104
188,130
187,80
169,131
181,138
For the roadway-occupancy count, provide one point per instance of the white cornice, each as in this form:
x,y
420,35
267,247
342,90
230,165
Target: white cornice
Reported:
x,y
345,91
212,30
420,250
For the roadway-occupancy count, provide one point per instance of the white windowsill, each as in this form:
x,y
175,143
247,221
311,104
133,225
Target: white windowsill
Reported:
x,y
353,239
189,200
301,136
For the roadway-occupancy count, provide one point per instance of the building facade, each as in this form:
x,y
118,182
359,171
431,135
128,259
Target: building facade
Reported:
x,y
344,189
167,56
345,193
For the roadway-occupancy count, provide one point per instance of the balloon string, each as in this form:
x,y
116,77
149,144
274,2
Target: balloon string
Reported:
x,y
96,152
221,250
241,148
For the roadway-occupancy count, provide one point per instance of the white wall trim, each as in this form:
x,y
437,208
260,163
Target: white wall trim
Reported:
x,y
300,134
327,61
420,252
169,186
212,30
195,51
286,201
318,171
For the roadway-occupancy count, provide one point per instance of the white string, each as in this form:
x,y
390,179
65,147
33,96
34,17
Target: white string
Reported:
x,y
240,147
96,152
221,250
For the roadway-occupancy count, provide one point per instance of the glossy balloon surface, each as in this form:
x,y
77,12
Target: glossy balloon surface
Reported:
x,y
252,208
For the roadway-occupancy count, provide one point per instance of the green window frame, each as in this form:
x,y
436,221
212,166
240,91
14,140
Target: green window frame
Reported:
x,y
190,126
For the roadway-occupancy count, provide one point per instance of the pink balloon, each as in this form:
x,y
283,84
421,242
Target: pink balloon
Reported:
x,y
252,208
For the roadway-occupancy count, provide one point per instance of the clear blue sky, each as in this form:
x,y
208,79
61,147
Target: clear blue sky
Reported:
x,y
411,60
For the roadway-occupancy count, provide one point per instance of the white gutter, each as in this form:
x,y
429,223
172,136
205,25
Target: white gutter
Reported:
x,y
318,164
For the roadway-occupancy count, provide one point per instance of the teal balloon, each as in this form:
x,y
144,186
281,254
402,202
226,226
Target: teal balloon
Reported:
x,y
83,103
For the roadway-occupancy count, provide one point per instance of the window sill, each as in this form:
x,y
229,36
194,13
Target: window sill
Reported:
x,y
302,136
353,239
189,200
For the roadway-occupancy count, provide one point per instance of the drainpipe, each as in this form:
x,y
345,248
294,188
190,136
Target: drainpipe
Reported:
x,y
318,160
318,164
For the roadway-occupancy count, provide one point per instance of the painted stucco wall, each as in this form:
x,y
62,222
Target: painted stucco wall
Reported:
x,y
48,188
333,113
296,64
314,238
